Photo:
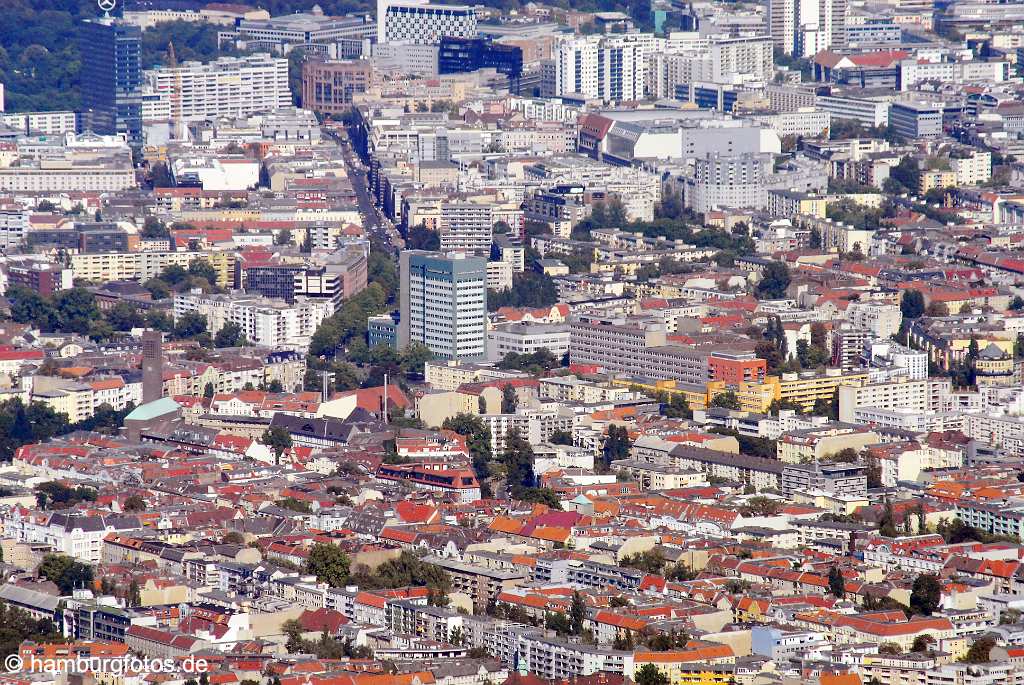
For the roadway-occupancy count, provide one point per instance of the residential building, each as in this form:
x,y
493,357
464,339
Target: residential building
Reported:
x,y
228,86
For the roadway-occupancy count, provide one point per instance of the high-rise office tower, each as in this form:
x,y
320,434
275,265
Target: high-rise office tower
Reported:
x,y
111,78
152,366
806,27
443,303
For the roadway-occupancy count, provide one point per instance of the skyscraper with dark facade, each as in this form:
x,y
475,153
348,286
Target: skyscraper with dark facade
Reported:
x,y
111,78
461,55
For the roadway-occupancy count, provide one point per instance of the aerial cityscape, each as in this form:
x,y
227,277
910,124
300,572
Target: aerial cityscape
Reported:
x,y
575,342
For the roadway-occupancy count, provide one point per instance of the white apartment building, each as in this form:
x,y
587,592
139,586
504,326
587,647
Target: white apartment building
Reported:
x,y
63,176
973,170
499,275
691,58
866,111
227,87
48,123
996,429
610,67
914,71
79,537
13,225
883,320
271,323
908,394
888,354
808,122
527,338
423,23
806,27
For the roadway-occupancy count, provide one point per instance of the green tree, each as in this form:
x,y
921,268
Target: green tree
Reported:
x,y
134,503
277,439
203,269
774,281
649,674
836,584
727,400
922,643
518,460
616,445
230,335
560,437
577,613
980,651
208,391
328,563
912,304
158,289
558,622
509,399
926,594
478,441
66,573
190,325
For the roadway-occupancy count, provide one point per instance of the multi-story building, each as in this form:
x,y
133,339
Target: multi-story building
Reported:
x,y
229,86
883,320
459,55
561,207
916,119
44,278
902,394
820,443
806,27
527,338
13,225
328,86
421,22
47,123
271,323
323,36
844,480
443,304
607,67
111,78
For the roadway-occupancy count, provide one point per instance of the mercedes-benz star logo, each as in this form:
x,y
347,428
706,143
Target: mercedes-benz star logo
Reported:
x,y
107,5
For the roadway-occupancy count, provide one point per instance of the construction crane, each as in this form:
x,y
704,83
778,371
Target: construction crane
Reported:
x,y
177,131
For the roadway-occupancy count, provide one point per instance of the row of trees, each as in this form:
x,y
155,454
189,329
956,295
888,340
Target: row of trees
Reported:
x,y
332,566
24,424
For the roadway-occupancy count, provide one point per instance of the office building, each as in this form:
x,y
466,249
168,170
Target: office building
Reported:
x,y
806,27
328,86
443,303
525,337
461,55
423,23
916,119
227,87
111,78
323,36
